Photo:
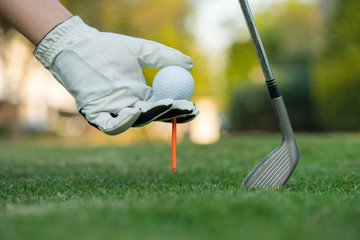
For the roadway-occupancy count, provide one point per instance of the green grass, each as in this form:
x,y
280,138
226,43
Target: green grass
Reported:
x,y
59,191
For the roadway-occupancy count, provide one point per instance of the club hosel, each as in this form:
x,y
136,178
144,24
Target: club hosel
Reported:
x,y
273,88
278,104
284,123
282,117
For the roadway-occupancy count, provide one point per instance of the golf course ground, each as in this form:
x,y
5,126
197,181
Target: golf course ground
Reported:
x,y
66,190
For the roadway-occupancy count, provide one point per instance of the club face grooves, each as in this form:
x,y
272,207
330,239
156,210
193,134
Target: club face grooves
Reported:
x,y
275,169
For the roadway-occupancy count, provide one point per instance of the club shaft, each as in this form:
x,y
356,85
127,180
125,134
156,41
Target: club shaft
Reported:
x,y
255,36
276,98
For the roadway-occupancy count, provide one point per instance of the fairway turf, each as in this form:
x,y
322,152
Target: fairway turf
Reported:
x,y
57,191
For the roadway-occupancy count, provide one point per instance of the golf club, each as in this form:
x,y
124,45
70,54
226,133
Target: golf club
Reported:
x,y
277,167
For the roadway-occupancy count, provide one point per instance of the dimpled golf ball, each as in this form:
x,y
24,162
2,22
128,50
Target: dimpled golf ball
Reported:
x,y
173,82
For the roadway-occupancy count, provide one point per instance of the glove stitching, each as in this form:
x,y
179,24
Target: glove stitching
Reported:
x,y
138,69
140,80
56,40
81,102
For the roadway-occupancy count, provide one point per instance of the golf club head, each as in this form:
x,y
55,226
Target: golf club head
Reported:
x,y
277,167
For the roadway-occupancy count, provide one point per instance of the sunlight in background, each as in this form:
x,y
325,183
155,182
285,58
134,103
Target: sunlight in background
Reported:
x,y
205,129
212,15
2,81
32,87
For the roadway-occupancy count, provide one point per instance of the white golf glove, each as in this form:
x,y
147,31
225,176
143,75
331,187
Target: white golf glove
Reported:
x,y
102,71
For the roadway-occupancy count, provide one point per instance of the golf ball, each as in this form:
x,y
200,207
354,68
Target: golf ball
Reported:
x,y
173,82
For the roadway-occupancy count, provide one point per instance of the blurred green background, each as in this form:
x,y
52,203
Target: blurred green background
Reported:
x,y
313,48
55,184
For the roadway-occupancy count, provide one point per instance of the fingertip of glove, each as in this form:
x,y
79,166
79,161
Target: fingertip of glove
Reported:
x,y
183,61
189,63
167,56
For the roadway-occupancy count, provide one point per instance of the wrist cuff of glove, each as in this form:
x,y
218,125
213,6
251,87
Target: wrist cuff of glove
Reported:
x,y
58,39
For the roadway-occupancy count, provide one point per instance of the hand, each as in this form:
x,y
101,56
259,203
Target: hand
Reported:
x,y
102,71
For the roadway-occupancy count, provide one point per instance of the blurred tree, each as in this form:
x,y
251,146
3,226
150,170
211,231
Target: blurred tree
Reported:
x,y
139,18
10,98
242,59
337,72
291,37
